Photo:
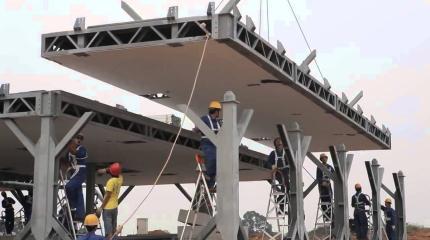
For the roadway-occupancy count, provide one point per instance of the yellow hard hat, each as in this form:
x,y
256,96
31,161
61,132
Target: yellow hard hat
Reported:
x,y
388,200
357,185
215,105
91,220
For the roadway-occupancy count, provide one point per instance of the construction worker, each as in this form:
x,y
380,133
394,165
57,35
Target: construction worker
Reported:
x,y
280,168
77,157
27,205
359,202
110,204
278,162
324,188
91,223
390,219
213,121
7,204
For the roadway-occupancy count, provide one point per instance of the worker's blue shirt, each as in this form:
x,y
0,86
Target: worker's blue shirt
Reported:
x,y
80,156
214,124
91,236
359,201
390,216
277,158
321,176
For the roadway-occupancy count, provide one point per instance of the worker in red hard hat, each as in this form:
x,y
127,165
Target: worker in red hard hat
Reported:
x,y
110,203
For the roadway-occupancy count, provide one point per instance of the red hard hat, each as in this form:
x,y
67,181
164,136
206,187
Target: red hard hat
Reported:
x,y
115,169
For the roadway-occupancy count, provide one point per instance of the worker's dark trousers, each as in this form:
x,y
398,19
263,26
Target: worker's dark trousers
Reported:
x,y
209,151
9,223
391,232
75,195
360,222
325,197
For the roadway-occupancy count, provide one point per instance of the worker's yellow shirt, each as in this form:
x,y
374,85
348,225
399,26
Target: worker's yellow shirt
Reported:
x,y
113,185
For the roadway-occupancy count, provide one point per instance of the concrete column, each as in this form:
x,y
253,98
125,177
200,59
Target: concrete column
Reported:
x,y
227,141
296,146
342,164
90,188
375,173
399,182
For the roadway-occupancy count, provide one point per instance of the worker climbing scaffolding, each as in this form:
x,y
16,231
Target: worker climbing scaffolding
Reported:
x,y
325,188
77,158
280,168
212,120
359,202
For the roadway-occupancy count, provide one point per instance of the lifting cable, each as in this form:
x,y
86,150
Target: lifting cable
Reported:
x,y
304,36
177,135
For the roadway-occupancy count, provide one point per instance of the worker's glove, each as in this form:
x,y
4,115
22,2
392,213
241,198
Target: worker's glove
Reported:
x,y
394,227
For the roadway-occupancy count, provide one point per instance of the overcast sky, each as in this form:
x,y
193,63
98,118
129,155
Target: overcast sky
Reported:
x,y
380,47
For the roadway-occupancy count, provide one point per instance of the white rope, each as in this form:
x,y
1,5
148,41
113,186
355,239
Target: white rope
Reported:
x,y
304,36
177,136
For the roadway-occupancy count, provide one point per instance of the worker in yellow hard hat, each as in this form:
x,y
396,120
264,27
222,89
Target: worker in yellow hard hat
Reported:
x,y
390,219
213,121
359,202
91,223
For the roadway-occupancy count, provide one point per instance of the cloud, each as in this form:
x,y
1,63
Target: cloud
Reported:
x,y
14,5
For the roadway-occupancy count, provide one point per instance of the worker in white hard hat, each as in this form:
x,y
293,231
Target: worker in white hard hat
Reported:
x,y
359,202
324,188
390,219
213,121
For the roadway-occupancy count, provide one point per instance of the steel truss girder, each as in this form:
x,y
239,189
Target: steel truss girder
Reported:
x,y
375,174
296,147
221,27
66,104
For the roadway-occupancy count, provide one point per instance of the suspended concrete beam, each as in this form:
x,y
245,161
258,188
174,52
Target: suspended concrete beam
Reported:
x,y
342,165
227,141
43,225
296,146
375,174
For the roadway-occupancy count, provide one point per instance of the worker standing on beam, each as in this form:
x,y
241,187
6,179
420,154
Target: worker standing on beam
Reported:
x,y
359,202
213,121
91,223
110,203
7,204
77,157
280,168
390,219
325,189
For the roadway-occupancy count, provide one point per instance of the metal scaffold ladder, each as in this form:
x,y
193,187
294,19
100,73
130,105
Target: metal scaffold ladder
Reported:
x,y
323,220
277,208
202,207
65,213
